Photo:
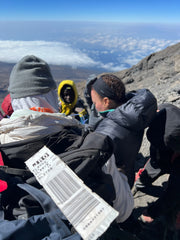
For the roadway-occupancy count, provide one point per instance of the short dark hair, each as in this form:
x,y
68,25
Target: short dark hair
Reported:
x,y
116,85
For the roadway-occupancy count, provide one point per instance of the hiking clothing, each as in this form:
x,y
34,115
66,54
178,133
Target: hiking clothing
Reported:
x,y
25,124
31,130
168,204
124,202
84,154
65,107
94,116
41,100
47,225
125,126
168,125
7,106
163,135
30,76
162,148
76,106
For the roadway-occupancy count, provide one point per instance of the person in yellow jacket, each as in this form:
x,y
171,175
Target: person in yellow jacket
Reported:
x,y
70,103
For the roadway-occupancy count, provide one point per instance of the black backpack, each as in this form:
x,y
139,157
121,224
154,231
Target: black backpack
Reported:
x,y
84,152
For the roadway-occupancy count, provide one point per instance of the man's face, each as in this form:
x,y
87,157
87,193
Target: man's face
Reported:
x,y
68,95
98,101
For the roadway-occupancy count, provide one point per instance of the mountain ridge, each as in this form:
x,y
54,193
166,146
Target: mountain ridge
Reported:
x,y
159,72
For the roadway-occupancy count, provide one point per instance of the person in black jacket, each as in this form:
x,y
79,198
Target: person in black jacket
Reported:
x,y
123,117
164,137
120,115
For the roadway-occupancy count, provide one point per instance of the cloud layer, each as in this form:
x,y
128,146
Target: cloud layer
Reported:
x,y
100,51
52,52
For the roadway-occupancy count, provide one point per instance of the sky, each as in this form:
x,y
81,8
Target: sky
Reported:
x,y
163,11
109,35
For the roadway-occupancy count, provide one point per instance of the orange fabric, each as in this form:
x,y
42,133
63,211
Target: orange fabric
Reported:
x,y
41,109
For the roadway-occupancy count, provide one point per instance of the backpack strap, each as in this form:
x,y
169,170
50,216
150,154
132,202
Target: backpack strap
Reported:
x,y
16,171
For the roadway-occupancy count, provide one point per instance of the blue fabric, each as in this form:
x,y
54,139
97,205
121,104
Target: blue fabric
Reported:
x,y
47,226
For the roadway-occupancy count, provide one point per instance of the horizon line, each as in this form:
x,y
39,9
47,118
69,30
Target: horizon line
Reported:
x,y
87,21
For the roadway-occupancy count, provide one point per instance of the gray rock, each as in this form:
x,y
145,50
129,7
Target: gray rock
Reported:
x,y
159,72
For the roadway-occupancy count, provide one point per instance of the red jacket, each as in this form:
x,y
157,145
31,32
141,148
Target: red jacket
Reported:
x,y
6,106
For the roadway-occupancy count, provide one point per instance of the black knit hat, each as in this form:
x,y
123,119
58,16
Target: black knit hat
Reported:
x,y
30,76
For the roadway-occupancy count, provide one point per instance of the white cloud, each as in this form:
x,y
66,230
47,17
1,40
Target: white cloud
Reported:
x,y
110,67
130,44
122,51
52,52
126,51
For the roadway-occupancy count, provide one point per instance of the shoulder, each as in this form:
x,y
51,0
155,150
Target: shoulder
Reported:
x,y
138,111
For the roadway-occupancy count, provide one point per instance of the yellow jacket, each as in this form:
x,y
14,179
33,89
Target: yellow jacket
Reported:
x,y
65,107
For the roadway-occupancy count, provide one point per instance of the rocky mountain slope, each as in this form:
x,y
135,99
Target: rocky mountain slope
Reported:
x,y
159,72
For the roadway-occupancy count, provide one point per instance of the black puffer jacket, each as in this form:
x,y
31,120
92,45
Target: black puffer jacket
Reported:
x,y
164,136
125,126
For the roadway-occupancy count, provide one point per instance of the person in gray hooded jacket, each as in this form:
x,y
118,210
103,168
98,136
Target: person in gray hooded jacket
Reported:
x,y
121,116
